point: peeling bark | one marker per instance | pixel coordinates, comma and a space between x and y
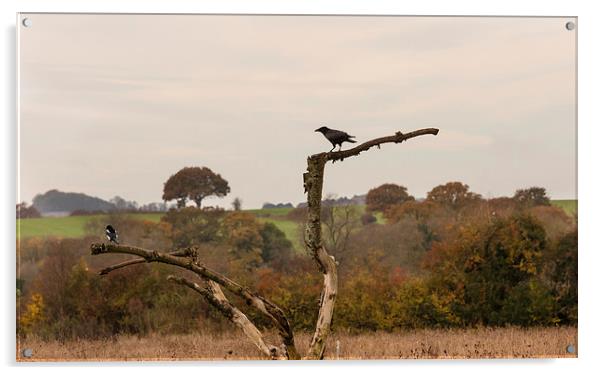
313, 181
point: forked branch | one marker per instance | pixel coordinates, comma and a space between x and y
186, 259
213, 294
313, 181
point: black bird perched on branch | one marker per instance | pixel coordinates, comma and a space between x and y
336, 137
111, 234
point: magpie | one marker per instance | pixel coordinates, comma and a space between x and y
111, 234
336, 137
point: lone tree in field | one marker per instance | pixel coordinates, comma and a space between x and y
196, 184
209, 283
385, 196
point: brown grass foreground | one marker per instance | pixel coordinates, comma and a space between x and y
429, 343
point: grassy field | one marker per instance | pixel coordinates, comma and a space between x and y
277, 216
428, 343
289, 228
73, 226
568, 205
68, 226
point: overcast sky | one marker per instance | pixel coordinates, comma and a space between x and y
114, 105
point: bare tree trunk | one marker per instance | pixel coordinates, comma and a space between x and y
198, 200
313, 181
213, 282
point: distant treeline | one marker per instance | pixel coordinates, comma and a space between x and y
65, 203
357, 200
453, 259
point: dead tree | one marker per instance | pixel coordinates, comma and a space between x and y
209, 283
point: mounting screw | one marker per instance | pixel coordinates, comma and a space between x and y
570, 25
26, 22
27, 353
570, 349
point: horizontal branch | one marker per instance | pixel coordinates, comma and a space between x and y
397, 138
180, 253
117, 266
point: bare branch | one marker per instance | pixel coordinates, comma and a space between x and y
117, 266
191, 252
251, 298
214, 295
397, 138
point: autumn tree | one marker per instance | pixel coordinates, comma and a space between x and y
242, 233
562, 269
386, 195
192, 227
453, 195
501, 206
530, 197
211, 284
419, 213
196, 184
275, 244
492, 271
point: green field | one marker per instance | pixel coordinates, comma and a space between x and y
288, 227
66, 227
277, 216
74, 226
568, 205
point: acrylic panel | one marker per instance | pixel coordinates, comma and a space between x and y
236, 187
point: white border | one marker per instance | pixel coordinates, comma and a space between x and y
590, 25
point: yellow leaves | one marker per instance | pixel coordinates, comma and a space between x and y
473, 262
243, 231
34, 314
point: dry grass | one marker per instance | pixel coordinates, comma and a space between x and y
429, 343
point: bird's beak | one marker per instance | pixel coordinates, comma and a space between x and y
317, 130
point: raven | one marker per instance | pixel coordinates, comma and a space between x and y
336, 137
111, 234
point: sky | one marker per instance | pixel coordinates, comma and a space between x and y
115, 104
